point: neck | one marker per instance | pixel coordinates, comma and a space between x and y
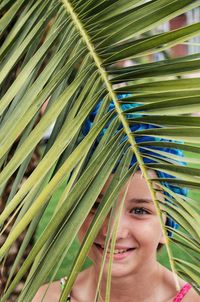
131, 288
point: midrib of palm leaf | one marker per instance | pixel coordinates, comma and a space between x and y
105, 78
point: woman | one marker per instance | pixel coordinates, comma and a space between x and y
136, 274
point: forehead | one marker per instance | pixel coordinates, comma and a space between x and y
136, 187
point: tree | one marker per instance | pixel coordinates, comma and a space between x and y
66, 52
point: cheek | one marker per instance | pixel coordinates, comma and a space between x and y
84, 228
149, 231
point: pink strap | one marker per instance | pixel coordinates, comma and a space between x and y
182, 293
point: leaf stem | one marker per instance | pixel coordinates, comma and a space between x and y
105, 78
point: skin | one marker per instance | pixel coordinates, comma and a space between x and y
139, 229
136, 274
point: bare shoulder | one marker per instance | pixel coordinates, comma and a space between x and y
52, 292
80, 288
191, 296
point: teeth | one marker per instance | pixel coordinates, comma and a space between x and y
115, 251
118, 251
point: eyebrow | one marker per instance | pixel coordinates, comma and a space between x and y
141, 200
135, 200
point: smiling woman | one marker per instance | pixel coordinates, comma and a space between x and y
138, 234
126, 245
136, 274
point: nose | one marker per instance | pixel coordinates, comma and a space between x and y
123, 230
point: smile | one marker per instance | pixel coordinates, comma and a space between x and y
118, 254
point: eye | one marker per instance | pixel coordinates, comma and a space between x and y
139, 211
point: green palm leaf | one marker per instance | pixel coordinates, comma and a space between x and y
66, 52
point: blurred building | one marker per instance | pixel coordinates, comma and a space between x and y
191, 46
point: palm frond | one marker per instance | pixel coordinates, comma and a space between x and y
66, 53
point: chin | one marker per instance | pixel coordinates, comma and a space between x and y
119, 271
119, 268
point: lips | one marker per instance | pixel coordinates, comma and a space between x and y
116, 250
119, 253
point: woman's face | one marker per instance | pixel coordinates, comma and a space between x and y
139, 231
